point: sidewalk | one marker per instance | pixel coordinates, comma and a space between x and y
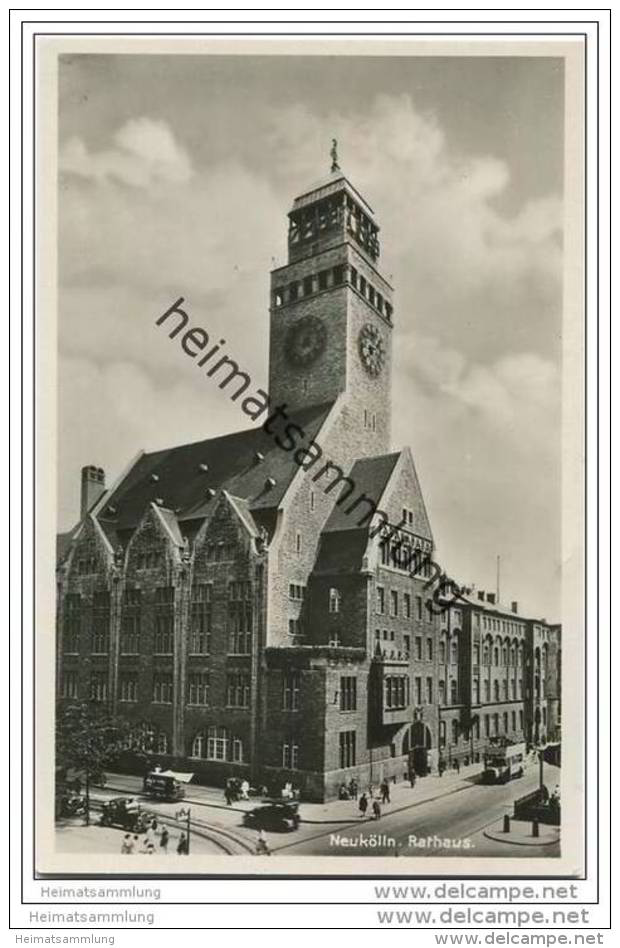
402, 795
521, 833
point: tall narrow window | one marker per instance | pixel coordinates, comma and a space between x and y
131, 621
347, 749
348, 693
101, 623
240, 618
334, 600
200, 619
164, 620
290, 696
71, 623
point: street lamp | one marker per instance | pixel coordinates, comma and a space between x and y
185, 814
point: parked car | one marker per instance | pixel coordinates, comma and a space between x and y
126, 813
275, 815
70, 804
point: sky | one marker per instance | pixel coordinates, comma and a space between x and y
176, 175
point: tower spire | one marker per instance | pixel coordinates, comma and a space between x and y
334, 155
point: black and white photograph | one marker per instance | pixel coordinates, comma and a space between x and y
315, 352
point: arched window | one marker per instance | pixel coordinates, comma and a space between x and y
442, 652
504, 656
198, 746
505, 722
476, 654
453, 692
496, 691
442, 733
495, 723
442, 692
496, 656
334, 600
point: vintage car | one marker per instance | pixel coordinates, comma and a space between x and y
273, 815
126, 813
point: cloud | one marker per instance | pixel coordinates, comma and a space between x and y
146, 153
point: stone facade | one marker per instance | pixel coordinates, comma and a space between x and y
249, 602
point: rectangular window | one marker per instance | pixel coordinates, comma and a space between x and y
200, 619
128, 687
407, 605
429, 650
418, 648
131, 622
418, 607
162, 688
70, 684
393, 602
417, 685
290, 756
240, 618
338, 275
198, 684
98, 686
396, 692
407, 645
164, 621
293, 291
290, 695
347, 749
380, 600
307, 286
296, 591
101, 623
323, 280
353, 277
348, 693
71, 623
298, 543
238, 690
295, 627
429, 690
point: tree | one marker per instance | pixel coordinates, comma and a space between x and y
88, 739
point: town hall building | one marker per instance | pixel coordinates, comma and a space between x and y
261, 603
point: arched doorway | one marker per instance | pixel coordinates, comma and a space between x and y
420, 743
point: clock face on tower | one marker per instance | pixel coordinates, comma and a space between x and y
372, 349
305, 341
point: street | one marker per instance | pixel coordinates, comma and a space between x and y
450, 824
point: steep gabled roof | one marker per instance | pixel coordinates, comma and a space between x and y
370, 476
184, 477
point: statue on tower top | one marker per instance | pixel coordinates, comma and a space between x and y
334, 155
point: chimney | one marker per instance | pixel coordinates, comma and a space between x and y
491, 598
514, 605
92, 487
481, 595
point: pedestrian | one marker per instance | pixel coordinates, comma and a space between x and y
412, 778
163, 841
457, 766
182, 847
227, 795
353, 788
154, 827
127, 844
262, 849
363, 805
385, 792
440, 768
145, 845
376, 809
245, 790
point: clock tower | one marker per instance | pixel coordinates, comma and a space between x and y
332, 312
